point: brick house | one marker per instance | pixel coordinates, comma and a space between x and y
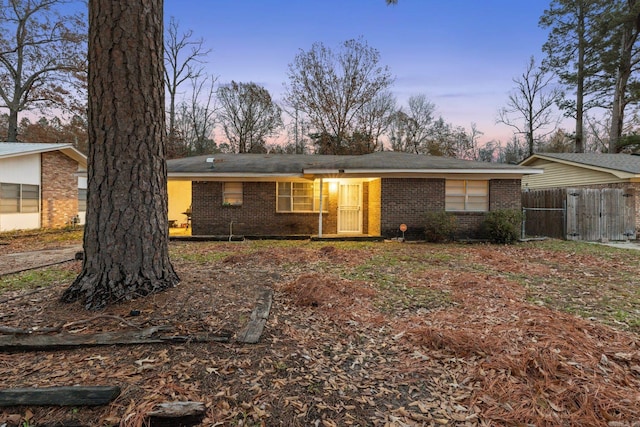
40, 186
365, 195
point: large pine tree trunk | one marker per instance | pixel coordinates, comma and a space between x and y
126, 252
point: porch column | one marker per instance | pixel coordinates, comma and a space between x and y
320, 216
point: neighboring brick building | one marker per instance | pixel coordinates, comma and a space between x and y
39, 185
367, 195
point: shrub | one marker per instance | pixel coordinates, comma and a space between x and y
440, 226
503, 226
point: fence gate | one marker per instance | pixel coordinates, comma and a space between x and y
580, 213
600, 214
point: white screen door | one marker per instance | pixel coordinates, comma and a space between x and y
350, 208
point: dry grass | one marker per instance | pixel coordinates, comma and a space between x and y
365, 334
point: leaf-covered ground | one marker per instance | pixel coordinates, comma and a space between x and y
361, 334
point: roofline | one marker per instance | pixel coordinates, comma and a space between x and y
616, 172
68, 149
422, 171
231, 175
351, 172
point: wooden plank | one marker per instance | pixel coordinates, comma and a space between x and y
629, 198
251, 333
59, 396
59, 341
573, 232
171, 414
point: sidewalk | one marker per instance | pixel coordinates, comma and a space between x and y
22, 261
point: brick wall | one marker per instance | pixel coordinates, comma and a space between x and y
256, 217
388, 202
59, 190
505, 194
405, 201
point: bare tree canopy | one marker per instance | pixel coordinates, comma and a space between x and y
248, 115
41, 52
374, 120
530, 105
195, 120
126, 250
183, 58
409, 131
333, 88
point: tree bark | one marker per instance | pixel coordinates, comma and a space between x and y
126, 235
624, 69
579, 141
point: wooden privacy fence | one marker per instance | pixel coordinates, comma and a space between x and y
589, 214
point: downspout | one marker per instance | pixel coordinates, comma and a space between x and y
320, 216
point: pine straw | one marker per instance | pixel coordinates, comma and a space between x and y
333, 354
537, 366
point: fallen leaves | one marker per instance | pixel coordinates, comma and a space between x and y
380, 335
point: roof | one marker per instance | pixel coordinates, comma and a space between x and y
384, 162
627, 163
14, 149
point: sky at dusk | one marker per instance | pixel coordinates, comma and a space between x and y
462, 54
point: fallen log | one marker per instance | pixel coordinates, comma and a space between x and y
150, 335
251, 333
59, 396
172, 414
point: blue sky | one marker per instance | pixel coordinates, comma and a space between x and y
462, 54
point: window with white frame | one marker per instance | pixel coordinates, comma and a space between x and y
82, 199
232, 194
19, 198
467, 195
301, 197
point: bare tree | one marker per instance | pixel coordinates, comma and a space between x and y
297, 132
183, 58
530, 105
195, 120
41, 52
126, 251
333, 88
410, 131
375, 118
248, 115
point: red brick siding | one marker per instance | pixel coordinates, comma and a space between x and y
505, 194
405, 201
401, 200
59, 190
256, 217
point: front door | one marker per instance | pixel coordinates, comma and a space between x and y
350, 208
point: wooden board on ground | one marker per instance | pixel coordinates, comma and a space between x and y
59, 396
251, 333
173, 414
145, 336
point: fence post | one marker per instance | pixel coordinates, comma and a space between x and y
524, 221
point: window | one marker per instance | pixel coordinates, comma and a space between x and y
462, 195
232, 193
82, 199
301, 197
16, 198
30, 198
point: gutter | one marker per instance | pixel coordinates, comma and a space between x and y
423, 171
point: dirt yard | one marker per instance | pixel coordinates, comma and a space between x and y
359, 334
